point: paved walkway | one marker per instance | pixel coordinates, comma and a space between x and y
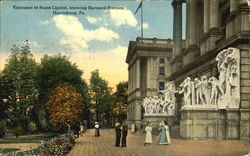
88, 145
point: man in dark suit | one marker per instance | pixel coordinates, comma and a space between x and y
118, 134
124, 135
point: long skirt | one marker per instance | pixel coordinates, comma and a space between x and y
163, 137
148, 138
97, 133
168, 137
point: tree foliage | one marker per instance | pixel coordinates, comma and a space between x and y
120, 99
64, 107
18, 84
101, 98
55, 70
3, 105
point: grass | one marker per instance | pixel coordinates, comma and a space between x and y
27, 138
7, 150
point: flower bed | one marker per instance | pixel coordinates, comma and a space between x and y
57, 146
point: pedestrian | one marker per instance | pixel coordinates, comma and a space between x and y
118, 134
124, 135
167, 132
97, 132
162, 135
132, 128
81, 129
148, 129
76, 129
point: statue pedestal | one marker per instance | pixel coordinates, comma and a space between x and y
209, 124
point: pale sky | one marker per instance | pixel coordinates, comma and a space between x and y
96, 40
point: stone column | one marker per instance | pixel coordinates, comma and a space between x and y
129, 80
206, 16
193, 22
148, 72
154, 62
214, 14
177, 35
167, 66
187, 22
137, 114
234, 5
137, 73
133, 77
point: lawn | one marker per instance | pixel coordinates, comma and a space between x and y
27, 138
7, 150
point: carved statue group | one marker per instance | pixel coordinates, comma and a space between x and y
200, 91
220, 93
158, 105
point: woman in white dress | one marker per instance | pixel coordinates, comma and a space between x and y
148, 139
97, 132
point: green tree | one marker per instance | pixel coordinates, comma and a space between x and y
3, 104
64, 107
18, 84
101, 97
55, 70
120, 98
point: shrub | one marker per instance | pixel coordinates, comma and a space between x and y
32, 126
2, 128
57, 146
44, 124
18, 130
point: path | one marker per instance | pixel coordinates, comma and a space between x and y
88, 145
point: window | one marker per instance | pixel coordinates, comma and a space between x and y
161, 85
161, 71
162, 60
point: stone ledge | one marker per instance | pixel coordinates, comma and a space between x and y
176, 59
199, 109
156, 115
135, 90
245, 110
135, 99
245, 138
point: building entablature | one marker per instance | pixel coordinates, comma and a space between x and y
152, 47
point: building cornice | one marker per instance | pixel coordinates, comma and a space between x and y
239, 38
242, 9
148, 45
212, 32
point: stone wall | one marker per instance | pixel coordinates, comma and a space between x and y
245, 92
210, 124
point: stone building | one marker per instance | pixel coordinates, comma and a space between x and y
153, 62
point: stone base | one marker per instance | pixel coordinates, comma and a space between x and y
210, 124
245, 124
155, 121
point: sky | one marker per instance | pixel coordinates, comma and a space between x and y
92, 38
